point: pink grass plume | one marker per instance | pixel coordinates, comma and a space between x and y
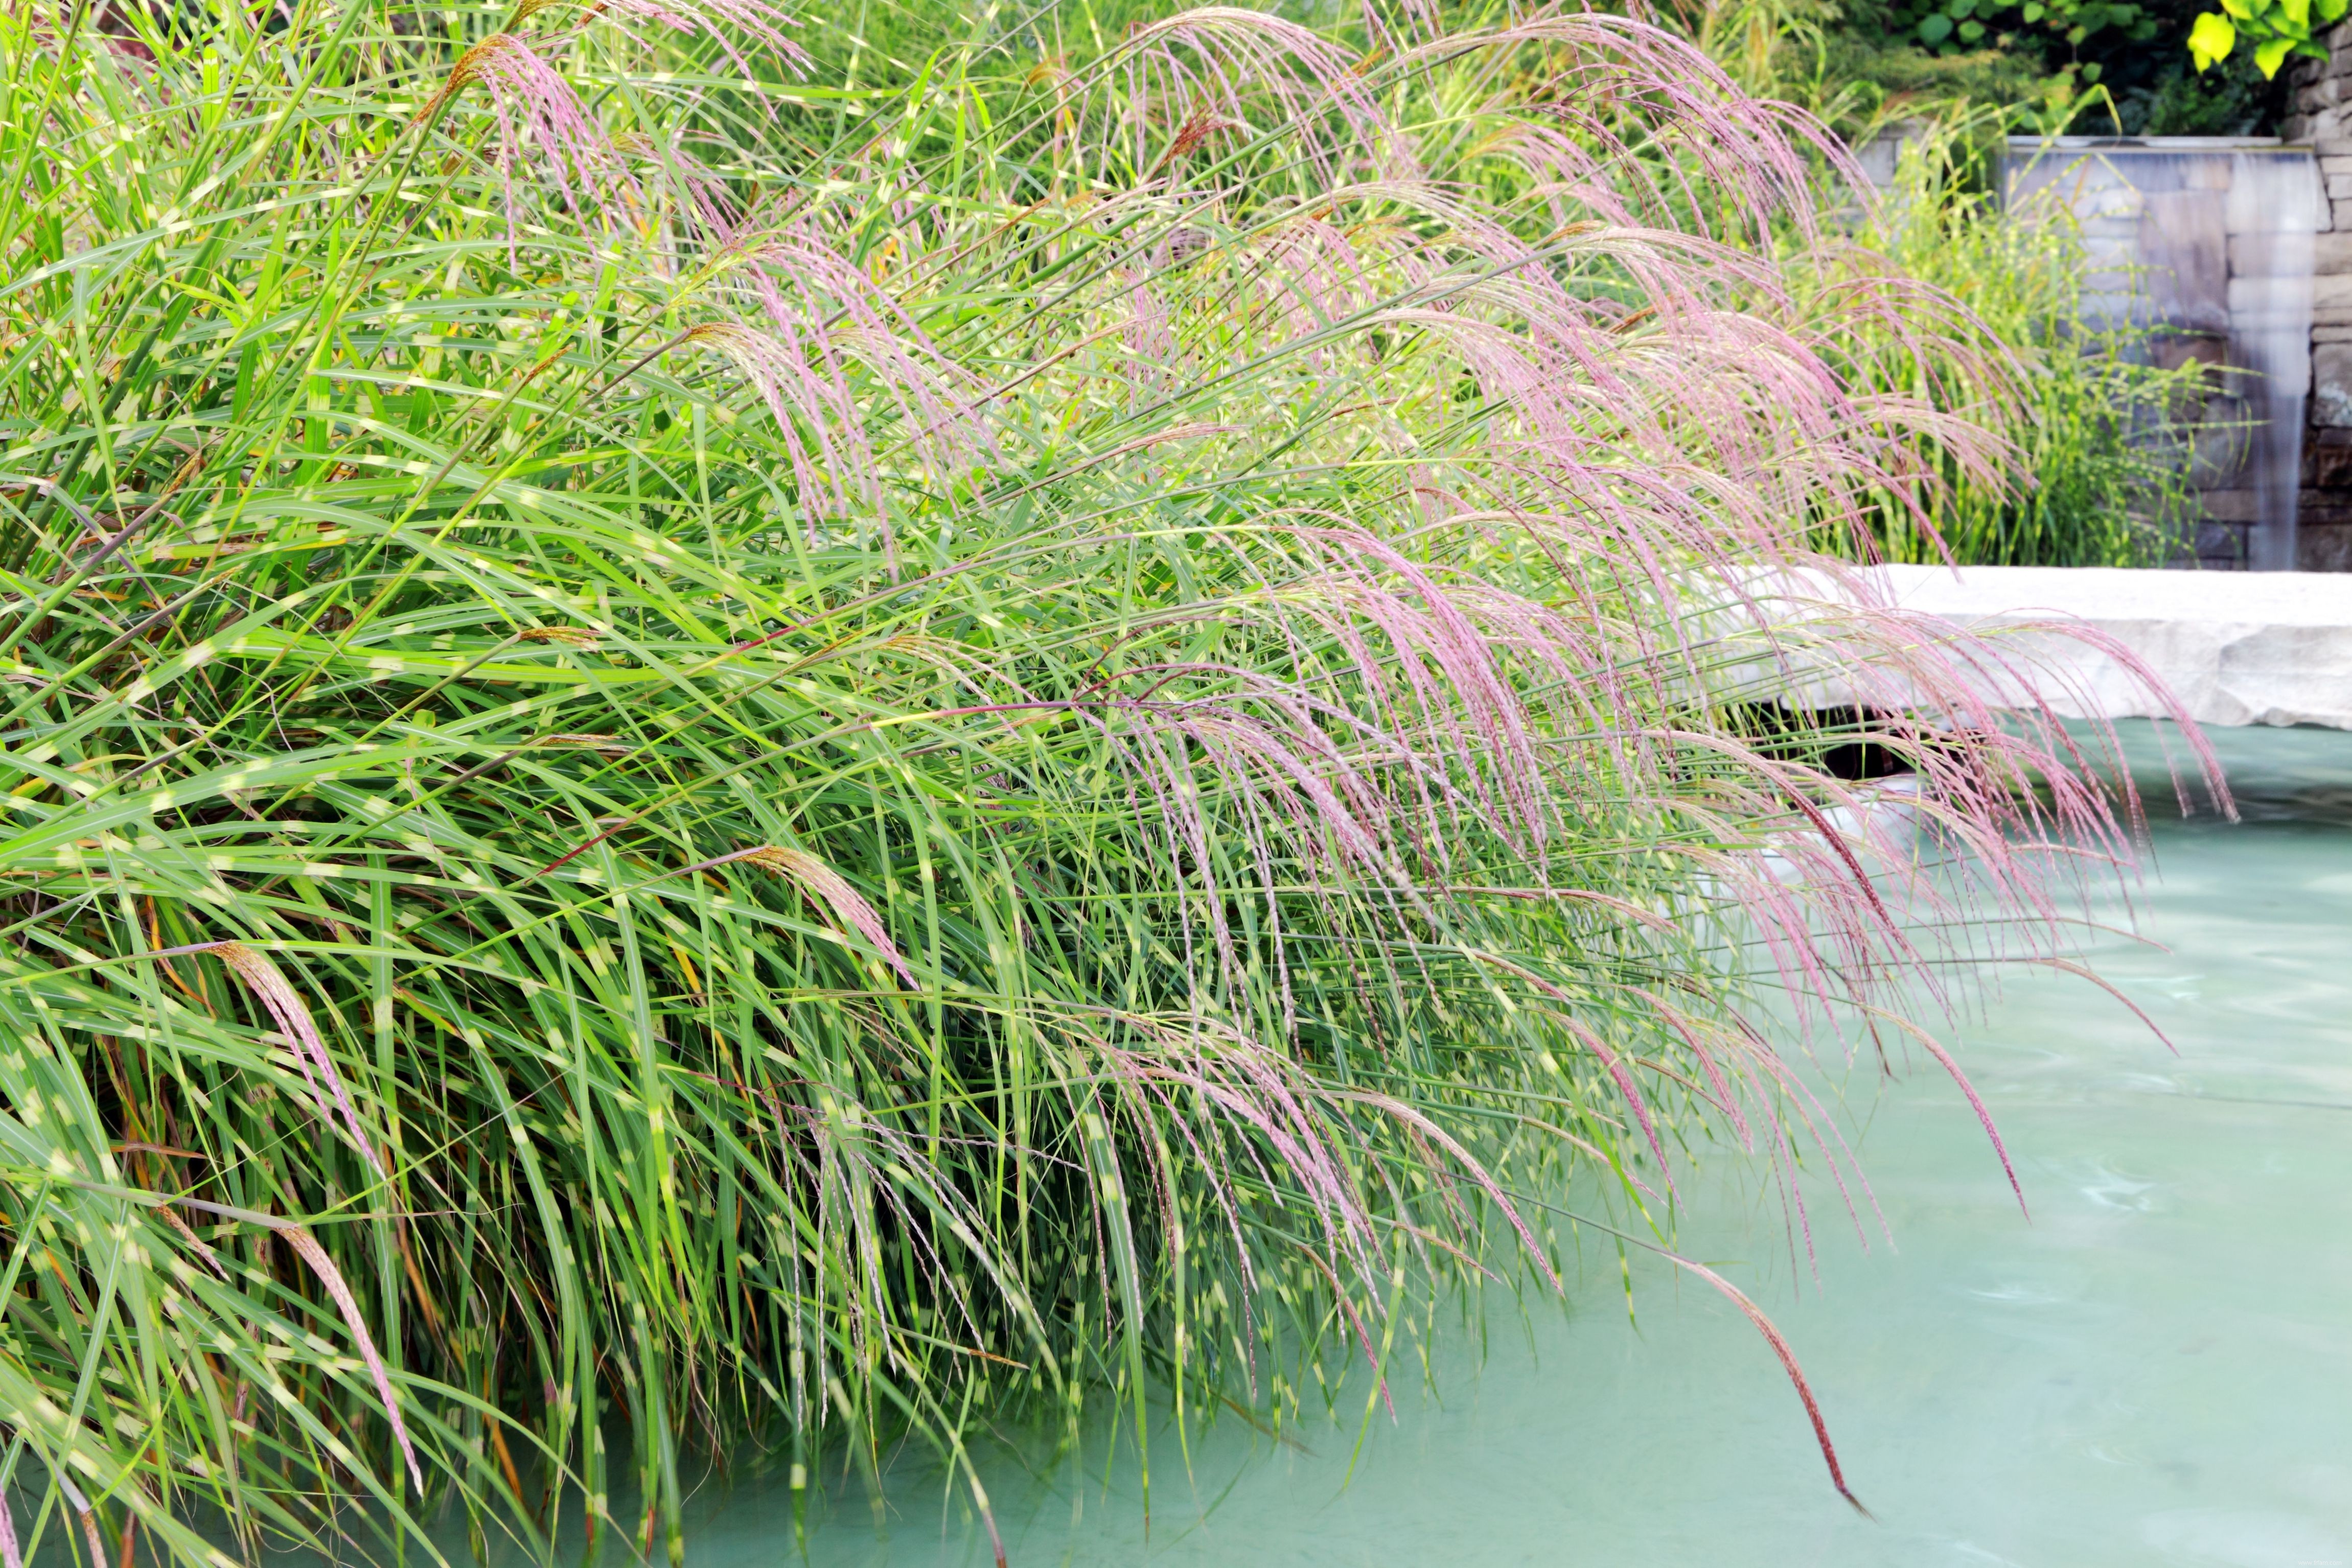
285, 1007
827, 888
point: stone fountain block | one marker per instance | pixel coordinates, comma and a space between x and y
2218, 451
2233, 506
2331, 386
2217, 236
2190, 285
2172, 350
2324, 547
2331, 299
2271, 647
2253, 208
2256, 256
2327, 466
2321, 509
2253, 256
2254, 299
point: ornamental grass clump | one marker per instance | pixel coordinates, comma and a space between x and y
778, 764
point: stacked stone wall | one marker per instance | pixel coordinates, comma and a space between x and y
2196, 236
2323, 118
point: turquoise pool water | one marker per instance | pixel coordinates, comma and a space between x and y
2156, 1370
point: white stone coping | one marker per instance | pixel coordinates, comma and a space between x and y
2236, 647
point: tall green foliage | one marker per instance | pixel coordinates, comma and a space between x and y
2099, 426
2086, 67
696, 749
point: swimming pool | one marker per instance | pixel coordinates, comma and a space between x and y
2156, 1369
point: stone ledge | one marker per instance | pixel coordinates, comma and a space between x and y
2272, 647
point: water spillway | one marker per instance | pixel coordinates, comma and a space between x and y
2206, 242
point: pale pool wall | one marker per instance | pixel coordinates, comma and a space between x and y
2232, 650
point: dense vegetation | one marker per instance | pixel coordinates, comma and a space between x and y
2097, 67
762, 748
2104, 429
2102, 426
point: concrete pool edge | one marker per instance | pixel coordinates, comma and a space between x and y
2270, 648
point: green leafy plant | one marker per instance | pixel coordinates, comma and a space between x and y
2061, 101
2273, 30
713, 743
1951, 27
2106, 69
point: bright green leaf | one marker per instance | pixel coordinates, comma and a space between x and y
1935, 28
2271, 54
2210, 40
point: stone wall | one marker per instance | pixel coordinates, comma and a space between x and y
2322, 117
2210, 239
2207, 237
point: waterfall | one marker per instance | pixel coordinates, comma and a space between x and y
2211, 238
